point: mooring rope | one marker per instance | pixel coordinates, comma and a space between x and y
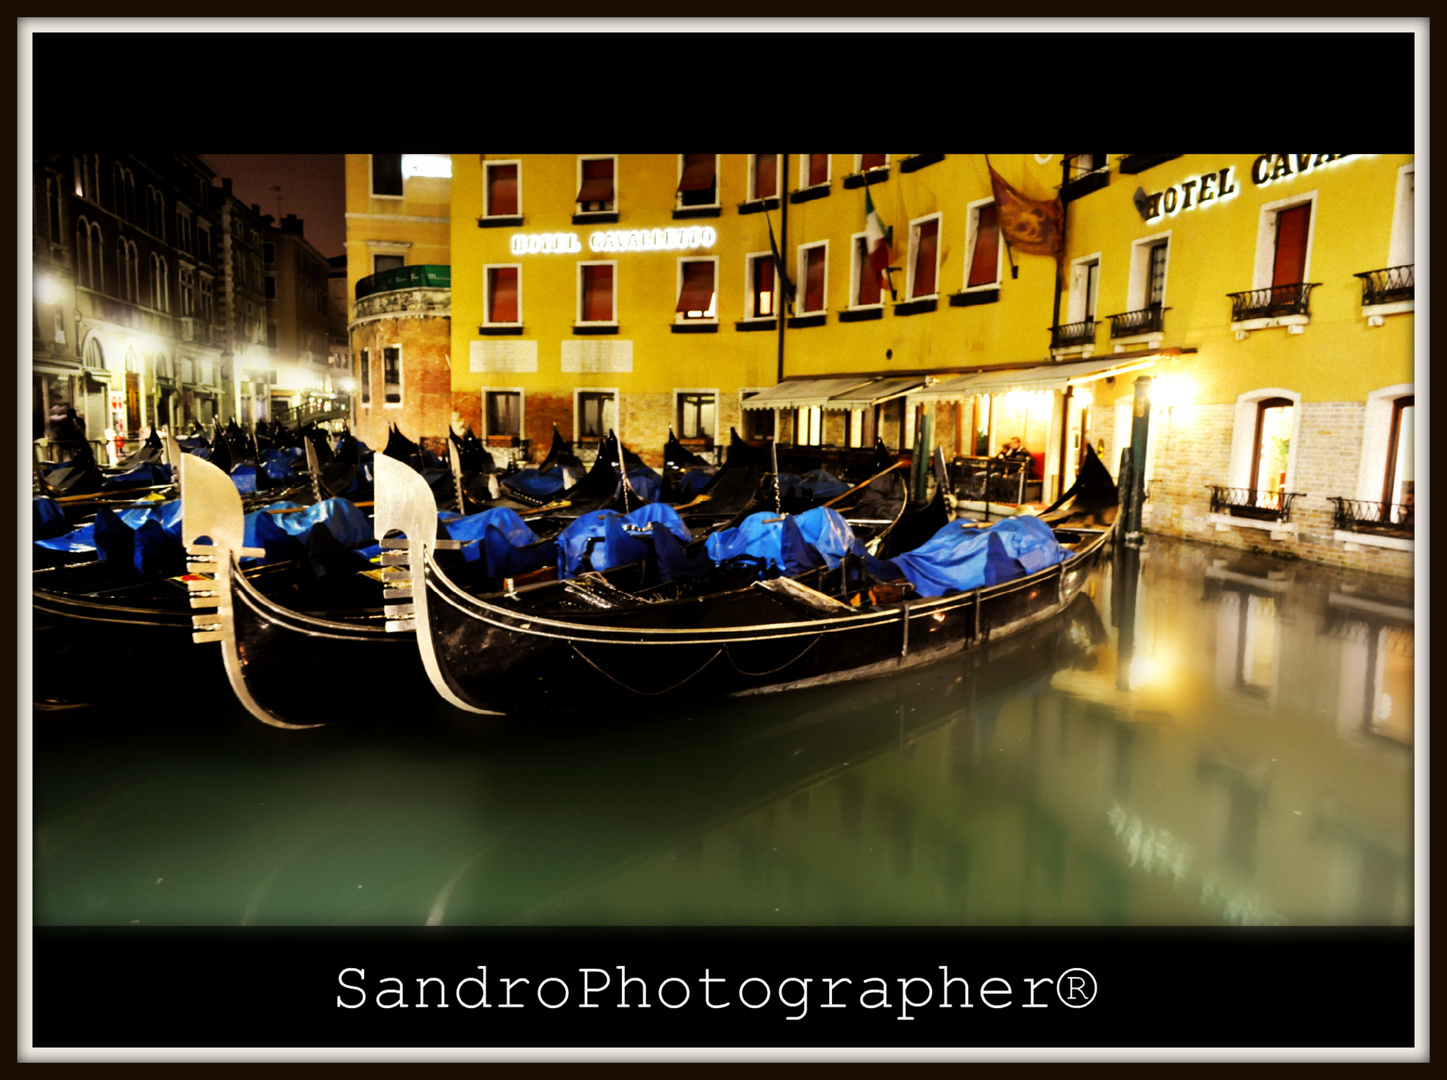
645, 693
799, 656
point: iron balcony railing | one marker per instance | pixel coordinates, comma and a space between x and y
406, 277
1081, 178
1389, 286
1273, 302
1145, 321
1250, 503
1078, 333
1382, 519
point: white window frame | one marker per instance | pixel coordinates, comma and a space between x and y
1140, 270
804, 184
522, 394
801, 267
754, 195
578, 393
859, 163
578, 294
706, 320
372, 179
401, 376
487, 319
1243, 445
681, 391
1266, 240
1401, 250
678, 203
972, 234
749, 260
1081, 306
487, 188
1372, 470
856, 274
914, 231
613, 209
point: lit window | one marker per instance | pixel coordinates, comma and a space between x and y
1400, 489
762, 298
696, 294
501, 189
596, 292
696, 415
1272, 445
503, 295
809, 426
392, 375
504, 413
597, 412
366, 376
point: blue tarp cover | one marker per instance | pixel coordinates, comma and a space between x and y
959, 558
766, 535
620, 544
77, 540
50, 520
478, 531
827, 533
150, 474
538, 485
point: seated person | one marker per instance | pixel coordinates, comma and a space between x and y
1013, 450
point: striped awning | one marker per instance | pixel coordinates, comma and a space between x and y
804, 393
1048, 377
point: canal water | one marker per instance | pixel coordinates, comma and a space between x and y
1208, 738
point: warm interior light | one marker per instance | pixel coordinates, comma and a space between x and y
47, 289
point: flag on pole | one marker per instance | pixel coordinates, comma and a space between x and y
875, 238
1030, 226
784, 283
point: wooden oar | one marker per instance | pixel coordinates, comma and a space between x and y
545, 509
97, 496
695, 501
858, 487
299, 509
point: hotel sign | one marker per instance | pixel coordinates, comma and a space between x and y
616, 240
1221, 185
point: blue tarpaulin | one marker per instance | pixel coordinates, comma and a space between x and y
620, 538
959, 558
827, 533
146, 536
495, 535
538, 485
773, 537
50, 520
150, 474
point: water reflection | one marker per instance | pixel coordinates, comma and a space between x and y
1206, 740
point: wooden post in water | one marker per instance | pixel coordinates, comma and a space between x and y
1140, 429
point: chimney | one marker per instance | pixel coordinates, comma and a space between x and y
291, 224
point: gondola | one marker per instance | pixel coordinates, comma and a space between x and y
537, 649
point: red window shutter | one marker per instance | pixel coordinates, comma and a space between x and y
597, 294
1291, 227
987, 248
868, 279
763, 286
924, 259
502, 185
503, 302
818, 168
766, 180
871, 161
697, 172
696, 294
814, 280
597, 181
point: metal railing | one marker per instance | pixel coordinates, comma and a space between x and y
990, 480
1148, 320
1389, 286
1250, 503
1389, 519
1273, 302
1078, 333
406, 277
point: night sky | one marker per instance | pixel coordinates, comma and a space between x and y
312, 188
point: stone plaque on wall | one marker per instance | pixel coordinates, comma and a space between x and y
607, 355
503, 356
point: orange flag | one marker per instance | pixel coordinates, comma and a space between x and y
1029, 226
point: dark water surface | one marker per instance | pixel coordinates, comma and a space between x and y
1239, 753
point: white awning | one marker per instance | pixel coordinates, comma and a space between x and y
1048, 377
872, 393
804, 393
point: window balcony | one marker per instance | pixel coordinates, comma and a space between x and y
406, 277
1379, 519
1252, 504
1390, 286
1084, 173
1072, 335
1273, 303
1149, 320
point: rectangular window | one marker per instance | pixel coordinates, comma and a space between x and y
1401, 484
270, 286
501, 190
761, 298
815, 168
504, 412
813, 277
867, 281
873, 161
1272, 449
392, 375
698, 180
696, 289
756, 423
595, 192
366, 376
809, 426
386, 262
268, 252
696, 415
1084, 285
596, 413
924, 246
1149, 264
1156, 275
1289, 267
1402, 250
387, 175
985, 253
596, 293
203, 244
271, 336
503, 299
764, 176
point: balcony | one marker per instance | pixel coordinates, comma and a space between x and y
1252, 504
1394, 285
1084, 173
406, 277
1150, 320
1281, 301
1396, 520
1130, 164
1073, 335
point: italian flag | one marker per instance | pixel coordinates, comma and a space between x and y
874, 239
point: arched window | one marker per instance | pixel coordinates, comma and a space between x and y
83, 274
1271, 446
129, 263
52, 208
95, 356
160, 285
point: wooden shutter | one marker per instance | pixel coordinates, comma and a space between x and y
924, 259
1291, 230
814, 280
766, 179
502, 190
503, 300
696, 293
597, 181
984, 266
818, 169
598, 293
697, 172
868, 278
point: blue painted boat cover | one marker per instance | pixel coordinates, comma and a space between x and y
959, 557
